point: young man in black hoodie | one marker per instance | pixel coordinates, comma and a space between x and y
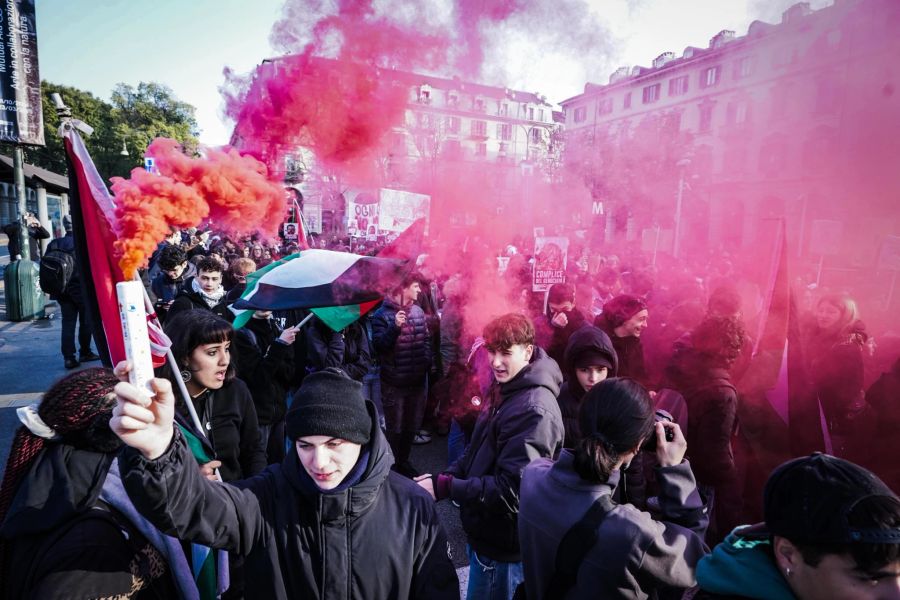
331, 521
519, 422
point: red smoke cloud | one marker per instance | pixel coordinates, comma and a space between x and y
224, 188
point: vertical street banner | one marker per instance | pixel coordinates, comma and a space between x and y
550, 255
21, 117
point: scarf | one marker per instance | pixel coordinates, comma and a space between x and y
210, 299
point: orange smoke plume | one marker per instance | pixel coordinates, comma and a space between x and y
230, 191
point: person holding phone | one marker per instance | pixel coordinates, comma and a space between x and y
633, 553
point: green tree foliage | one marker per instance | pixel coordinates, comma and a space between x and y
131, 120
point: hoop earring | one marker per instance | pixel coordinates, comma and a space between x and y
185, 375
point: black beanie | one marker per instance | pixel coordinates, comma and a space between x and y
329, 403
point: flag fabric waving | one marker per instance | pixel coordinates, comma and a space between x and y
318, 279
93, 217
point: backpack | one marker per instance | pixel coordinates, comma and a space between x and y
56, 271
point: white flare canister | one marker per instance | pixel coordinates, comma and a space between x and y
134, 329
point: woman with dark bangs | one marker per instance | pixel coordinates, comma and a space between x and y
201, 343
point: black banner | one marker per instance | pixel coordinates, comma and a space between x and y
21, 117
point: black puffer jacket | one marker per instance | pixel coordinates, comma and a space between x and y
266, 365
379, 539
347, 350
519, 423
586, 339
405, 353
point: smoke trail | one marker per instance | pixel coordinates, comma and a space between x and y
223, 187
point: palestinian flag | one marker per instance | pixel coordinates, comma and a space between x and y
338, 287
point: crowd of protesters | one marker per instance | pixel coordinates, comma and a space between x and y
602, 441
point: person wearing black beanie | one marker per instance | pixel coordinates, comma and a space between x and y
332, 519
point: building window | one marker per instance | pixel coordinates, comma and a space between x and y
706, 116
541, 115
710, 77
504, 131
531, 113
503, 109
479, 128
537, 136
626, 102
738, 112
453, 99
651, 93
425, 94
478, 104
481, 149
784, 56
605, 106
580, 114
678, 86
743, 67
426, 121
452, 124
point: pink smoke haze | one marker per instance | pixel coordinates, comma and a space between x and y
800, 124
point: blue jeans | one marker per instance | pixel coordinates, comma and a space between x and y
491, 579
456, 442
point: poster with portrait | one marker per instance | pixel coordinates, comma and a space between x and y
362, 216
549, 267
291, 231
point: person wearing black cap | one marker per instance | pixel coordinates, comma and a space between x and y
331, 521
831, 530
623, 319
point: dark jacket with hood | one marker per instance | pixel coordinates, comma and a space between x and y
636, 553
404, 352
743, 566
379, 538
347, 350
586, 339
519, 422
165, 288
62, 541
72, 292
266, 365
188, 299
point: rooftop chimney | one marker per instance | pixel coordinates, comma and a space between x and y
721, 38
619, 74
662, 59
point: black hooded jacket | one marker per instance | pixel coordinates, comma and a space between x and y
266, 365
61, 541
586, 339
380, 538
519, 423
628, 349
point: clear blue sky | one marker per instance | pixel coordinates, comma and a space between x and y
95, 44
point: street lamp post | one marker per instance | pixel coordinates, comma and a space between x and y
682, 165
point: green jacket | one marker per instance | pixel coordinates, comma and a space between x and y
742, 566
